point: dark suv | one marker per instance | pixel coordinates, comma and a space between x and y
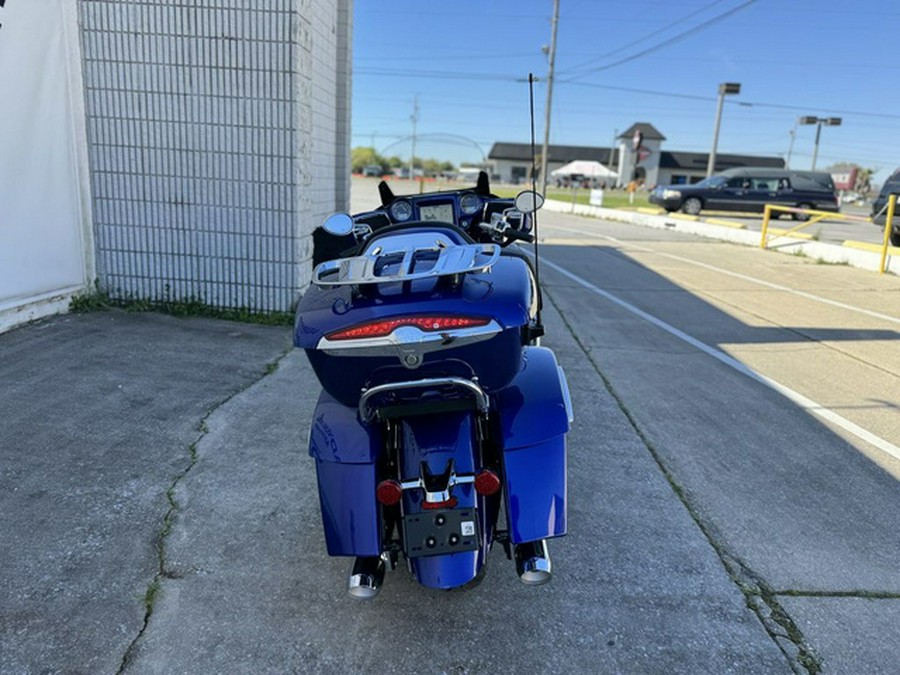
879, 206
750, 190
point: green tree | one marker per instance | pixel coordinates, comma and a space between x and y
361, 157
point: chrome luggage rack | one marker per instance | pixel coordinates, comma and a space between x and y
407, 263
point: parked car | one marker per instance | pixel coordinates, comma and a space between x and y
879, 206
373, 170
749, 190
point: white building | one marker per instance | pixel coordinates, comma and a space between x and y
647, 162
168, 151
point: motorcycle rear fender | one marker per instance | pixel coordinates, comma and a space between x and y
534, 415
433, 440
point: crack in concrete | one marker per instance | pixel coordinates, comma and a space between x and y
857, 594
155, 586
759, 597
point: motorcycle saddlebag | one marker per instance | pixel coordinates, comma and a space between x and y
534, 415
345, 454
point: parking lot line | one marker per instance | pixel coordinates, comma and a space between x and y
794, 396
738, 275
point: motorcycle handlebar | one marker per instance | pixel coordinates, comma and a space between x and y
521, 236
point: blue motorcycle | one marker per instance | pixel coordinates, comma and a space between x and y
439, 410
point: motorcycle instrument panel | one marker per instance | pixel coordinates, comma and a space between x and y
439, 212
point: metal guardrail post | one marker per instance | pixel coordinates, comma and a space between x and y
888, 224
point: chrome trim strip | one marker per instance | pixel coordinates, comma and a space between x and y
436, 497
409, 343
481, 397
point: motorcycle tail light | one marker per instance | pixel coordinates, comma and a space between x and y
487, 482
388, 492
382, 327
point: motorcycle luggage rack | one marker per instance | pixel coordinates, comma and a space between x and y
407, 264
478, 401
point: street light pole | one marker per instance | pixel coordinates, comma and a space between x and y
819, 121
724, 88
816, 145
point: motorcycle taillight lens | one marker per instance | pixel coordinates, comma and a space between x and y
382, 327
487, 482
388, 492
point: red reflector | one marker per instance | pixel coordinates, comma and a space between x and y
487, 482
449, 504
387, 326
388, 492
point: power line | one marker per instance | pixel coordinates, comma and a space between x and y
665, 43
667, 27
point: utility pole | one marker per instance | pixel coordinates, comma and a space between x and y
612, 159
412, 157
787, 164
552, 60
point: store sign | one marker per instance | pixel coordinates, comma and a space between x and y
636, 140
845, 180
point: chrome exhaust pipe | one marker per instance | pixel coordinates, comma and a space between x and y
366, 577
533, 563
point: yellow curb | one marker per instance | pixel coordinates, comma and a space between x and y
651, 211
726, 223
778, 232
866, 246
684, 216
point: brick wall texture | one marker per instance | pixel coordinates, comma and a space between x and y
218, 138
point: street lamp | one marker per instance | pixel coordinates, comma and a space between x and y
819, 121
724, 88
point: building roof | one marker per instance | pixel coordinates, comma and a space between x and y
686, 161
555, 153
649, 132
697, 161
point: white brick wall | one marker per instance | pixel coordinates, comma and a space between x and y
217, 142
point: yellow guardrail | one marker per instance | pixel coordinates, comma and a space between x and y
816, 216
888, 223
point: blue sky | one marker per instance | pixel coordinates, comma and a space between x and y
462, 60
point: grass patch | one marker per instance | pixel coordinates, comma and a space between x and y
612, 199
98, 301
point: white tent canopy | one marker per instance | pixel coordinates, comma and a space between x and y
581, 167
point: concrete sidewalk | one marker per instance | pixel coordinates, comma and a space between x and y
161, 516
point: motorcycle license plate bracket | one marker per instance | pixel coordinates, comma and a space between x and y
440, 532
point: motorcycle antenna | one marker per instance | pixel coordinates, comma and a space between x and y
534, 215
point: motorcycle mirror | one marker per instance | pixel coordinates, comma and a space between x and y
529, 201
338, 224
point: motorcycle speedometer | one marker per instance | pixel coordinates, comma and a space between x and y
401, 210
469, 203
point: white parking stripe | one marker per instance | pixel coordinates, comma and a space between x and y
737, 275
787, 392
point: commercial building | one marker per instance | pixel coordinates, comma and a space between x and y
638, 154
